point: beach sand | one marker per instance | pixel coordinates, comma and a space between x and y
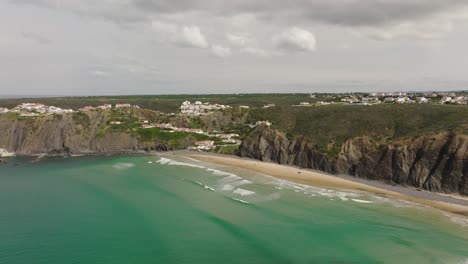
319, 179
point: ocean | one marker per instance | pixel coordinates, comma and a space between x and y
161, 209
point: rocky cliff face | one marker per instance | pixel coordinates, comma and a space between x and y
433, 162
68, 134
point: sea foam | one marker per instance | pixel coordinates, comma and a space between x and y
239, 200
361, 201
220, 173
243, 192
166, 161
461, 221
205, 186
123, 166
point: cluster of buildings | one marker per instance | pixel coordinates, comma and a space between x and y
463, 100
422, 98
34, 109
170, 128
107, 106
368, 100
198, 108
204, 145
226, 138
389, 94
393, 97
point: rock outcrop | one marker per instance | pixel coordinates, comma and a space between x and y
69, 134
436, 162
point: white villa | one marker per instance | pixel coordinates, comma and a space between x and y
199, 108
123, 105
404, 100
205, 144
33, 109
422, 100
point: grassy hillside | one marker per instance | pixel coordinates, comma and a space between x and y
325, 125
336, 123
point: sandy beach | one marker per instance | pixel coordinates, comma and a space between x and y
314, 178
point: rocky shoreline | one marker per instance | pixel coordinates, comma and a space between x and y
436, 163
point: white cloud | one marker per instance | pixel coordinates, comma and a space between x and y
186, 36
295, 39
192, 36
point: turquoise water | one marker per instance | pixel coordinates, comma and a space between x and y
123, 209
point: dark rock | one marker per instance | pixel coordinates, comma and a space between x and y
432, 162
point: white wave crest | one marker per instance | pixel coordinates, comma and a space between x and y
123, 166
361, 201
227, 187
205, 186
461, 221
220, 173
243, 192
239, 200
166, 161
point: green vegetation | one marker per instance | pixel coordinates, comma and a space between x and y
12, 116
326, 126
128, 120
174, 139
81, 119
329, 126
227, 150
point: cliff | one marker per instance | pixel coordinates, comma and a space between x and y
68, 134
436, 162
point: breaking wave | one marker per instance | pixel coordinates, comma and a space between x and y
361, 201
166, 161
241, 201
243, 192
219, 173
205, 186
461, 221
123, 166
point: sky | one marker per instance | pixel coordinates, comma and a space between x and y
121, 47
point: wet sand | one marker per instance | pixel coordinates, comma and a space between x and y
443, 202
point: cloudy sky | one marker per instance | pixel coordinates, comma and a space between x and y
89, 47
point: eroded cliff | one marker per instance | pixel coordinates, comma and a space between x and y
68, 134
437, 162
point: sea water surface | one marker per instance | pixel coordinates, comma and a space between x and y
152, 209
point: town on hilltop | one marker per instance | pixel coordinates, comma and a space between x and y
209, 139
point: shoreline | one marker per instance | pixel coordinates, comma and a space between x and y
444, 202
451, 203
